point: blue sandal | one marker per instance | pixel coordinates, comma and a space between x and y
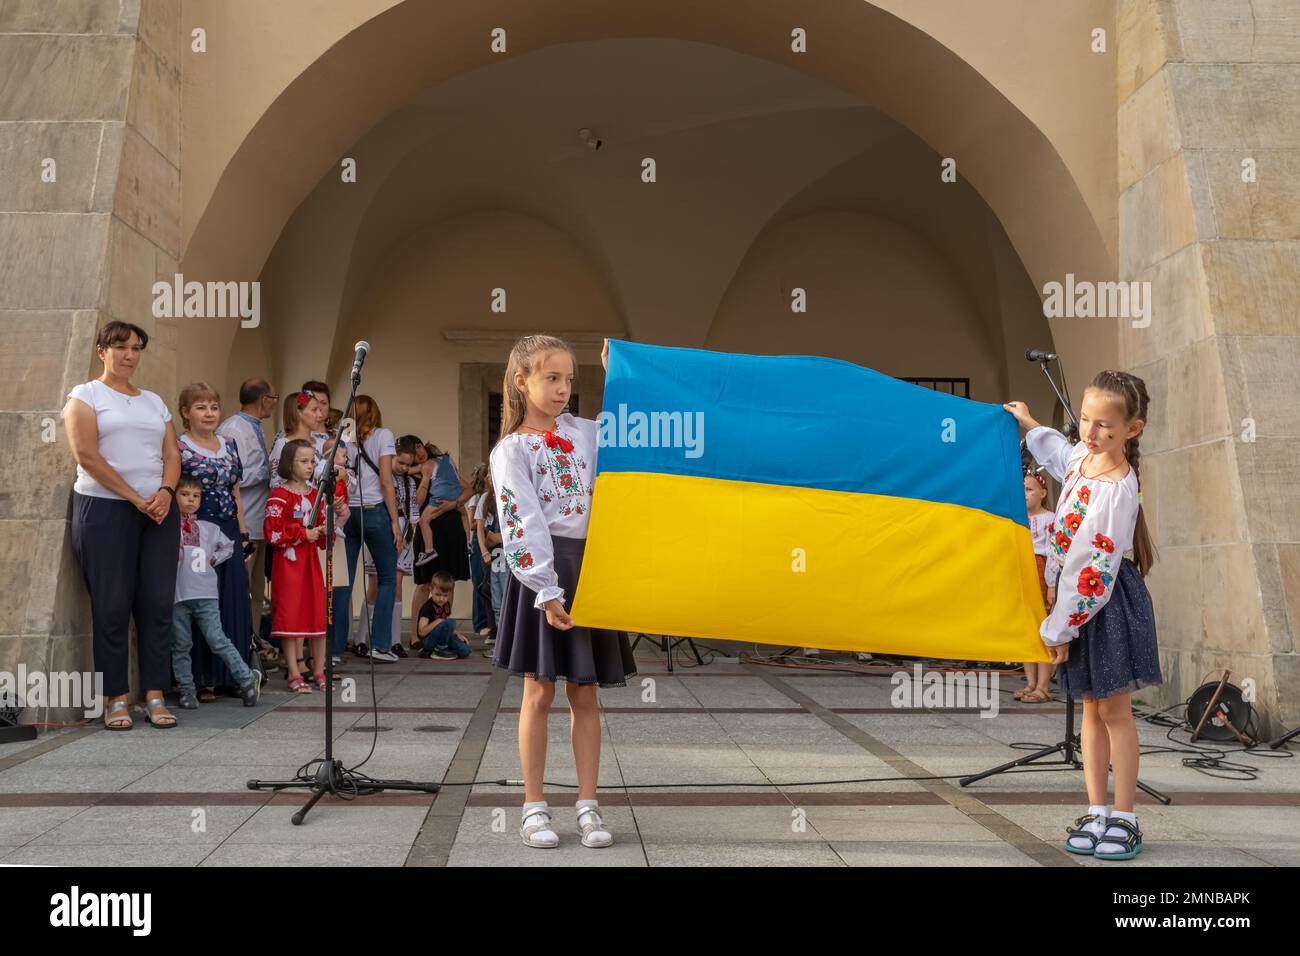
1131, 841
1080, 830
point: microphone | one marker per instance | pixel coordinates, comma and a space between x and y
363, 348
1033, 355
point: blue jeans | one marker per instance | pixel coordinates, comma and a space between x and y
498, 592
378, 532
206, 612
443, 637
479, 617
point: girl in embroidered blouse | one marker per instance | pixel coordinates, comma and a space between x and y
1102, 627
1038, 677
543, 467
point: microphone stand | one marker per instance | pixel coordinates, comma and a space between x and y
1069, 746
330, 776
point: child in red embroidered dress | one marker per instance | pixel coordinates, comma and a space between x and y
298, 586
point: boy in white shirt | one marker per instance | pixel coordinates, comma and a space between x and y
203, 547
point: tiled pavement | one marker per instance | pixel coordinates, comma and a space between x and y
721, 764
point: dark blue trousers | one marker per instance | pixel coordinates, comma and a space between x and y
129, 565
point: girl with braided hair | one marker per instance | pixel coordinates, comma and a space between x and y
1102, 628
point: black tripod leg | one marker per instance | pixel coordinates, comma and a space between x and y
1036, 755
316, 794
1152, 791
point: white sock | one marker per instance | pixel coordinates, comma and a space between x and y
1107, 846
600, 836
1080, 843
546, 836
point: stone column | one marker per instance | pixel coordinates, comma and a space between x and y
94, 87
1209, 178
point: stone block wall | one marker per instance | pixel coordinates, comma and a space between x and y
1209, 178
93, 85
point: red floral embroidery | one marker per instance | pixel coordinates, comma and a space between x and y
525, 560
1063, 542
1104, 543
1072, 522
1090, 582
1077, 619
1085, 493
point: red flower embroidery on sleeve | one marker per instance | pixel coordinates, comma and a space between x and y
1077, 619
1085, 494
1104, 543
1063, 542
1072, 522
1090, 583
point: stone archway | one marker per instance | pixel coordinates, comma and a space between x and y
860, 48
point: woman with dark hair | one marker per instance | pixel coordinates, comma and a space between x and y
125, 524
214, 461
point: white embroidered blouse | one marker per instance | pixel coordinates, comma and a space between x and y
1100, 513
543, 490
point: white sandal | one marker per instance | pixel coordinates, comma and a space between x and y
593, 829
536, 829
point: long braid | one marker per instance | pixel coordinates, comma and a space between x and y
1133, 392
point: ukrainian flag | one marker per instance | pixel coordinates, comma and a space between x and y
807, 501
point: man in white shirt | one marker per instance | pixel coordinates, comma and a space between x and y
257, 402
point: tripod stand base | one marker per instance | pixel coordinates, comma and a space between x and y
666, 645
1067, 749
331, 777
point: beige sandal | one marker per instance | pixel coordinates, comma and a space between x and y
118, 716
151, 707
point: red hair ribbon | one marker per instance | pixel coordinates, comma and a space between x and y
1042, 482
553, 439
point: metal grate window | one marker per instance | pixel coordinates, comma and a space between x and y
953, 386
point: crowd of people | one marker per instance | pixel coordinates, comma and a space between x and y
206, 537
157, 519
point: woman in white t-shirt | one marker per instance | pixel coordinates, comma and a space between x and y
125, 524
374, 517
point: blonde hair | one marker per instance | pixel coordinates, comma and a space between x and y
524, 357
193, 393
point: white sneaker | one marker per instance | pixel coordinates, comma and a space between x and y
592, 828
388, 657
484, 631
536, 829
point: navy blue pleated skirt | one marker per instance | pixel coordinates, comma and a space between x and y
528, 646
1116, 651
